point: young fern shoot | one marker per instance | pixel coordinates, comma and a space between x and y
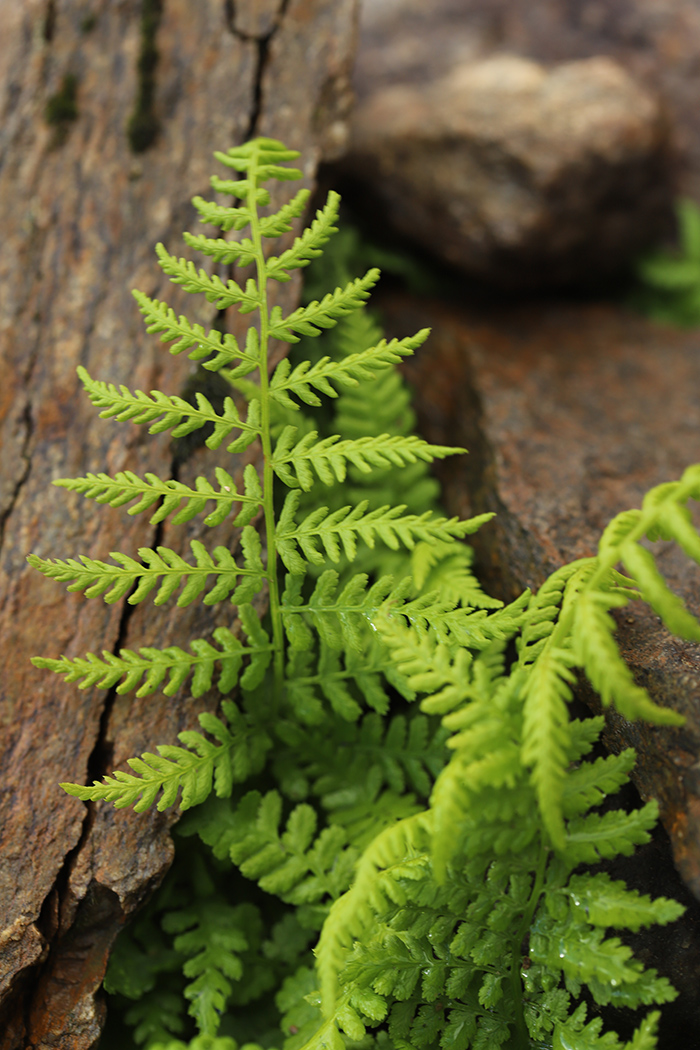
287, 462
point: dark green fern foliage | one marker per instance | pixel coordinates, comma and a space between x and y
394, 820
671, 282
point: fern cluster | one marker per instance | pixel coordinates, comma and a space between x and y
396, 815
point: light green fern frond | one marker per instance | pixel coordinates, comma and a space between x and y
315, 317
395, 849
127, 486
194, 769
163, 569
167, 669
340, 531
213, 350
607, 671
546, 744
166, 412
295, 464
308, 246
349, 371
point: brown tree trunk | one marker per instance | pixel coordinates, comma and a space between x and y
84, 85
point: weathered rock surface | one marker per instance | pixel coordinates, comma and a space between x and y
518, 174
408, 47
80, 214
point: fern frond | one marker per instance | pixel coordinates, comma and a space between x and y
546, 744
400, 753
313, 318
172, 666
177, 414
640, 563
127, 486
576, 1033
608, 673
163, 568
185, 273
351, 914
210, 935
156, 1019
221, 215
261, 158
194, 769
588, 784
330, 457
342, 529
583, 955
296, 864
349, 371
608, 902
597, 837
221, 349
222, 250
308, 245
446, 567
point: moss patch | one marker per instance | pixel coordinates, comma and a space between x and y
144, 125
62, 108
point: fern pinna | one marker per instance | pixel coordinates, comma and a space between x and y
432, 856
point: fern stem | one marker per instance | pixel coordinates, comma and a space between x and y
268, 502
516, 984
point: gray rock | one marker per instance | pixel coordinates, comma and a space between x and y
519, 174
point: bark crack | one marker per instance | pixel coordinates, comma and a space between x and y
262, 42
27, 423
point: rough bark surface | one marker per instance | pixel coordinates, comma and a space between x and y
80, 213
570, 414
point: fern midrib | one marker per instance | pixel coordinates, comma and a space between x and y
265, 437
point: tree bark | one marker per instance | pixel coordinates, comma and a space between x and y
82, 85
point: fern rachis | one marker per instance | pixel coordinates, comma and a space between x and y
419, 850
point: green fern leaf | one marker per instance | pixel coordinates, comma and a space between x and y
607, 902
641, 565
315, 317
545, 747
185, 273
262, 156
308, 246
156, 666
605, 668
596, 837
341, 530
220, 215
209, 934
589, 783
222, 350
352, 369
177, 415
222, 250
163, 568
330, 457
127, 486
194, 769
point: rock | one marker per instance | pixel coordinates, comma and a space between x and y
80, 215
520, 175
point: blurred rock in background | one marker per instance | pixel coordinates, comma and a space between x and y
529, 144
